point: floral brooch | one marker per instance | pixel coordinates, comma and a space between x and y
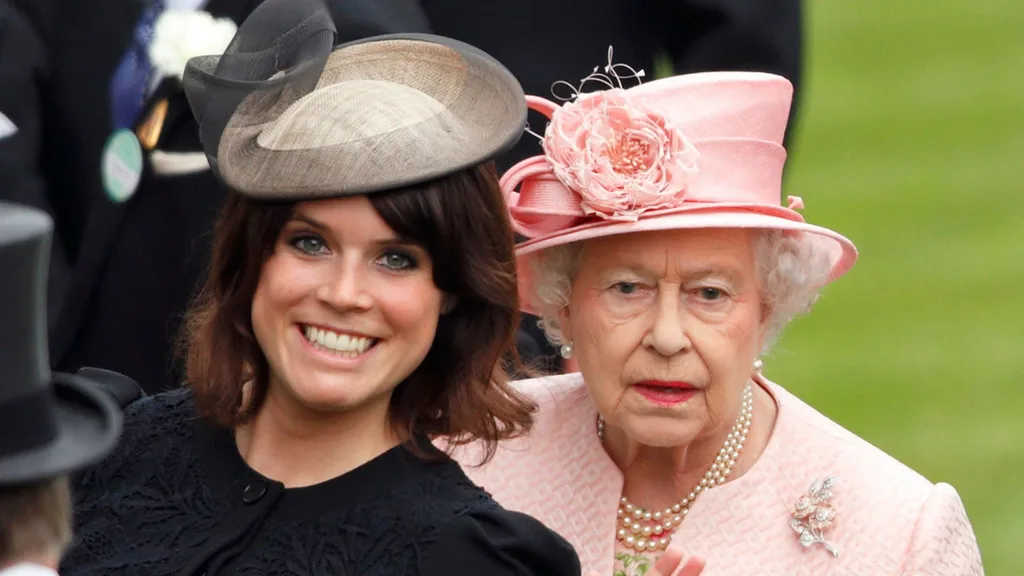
813, 514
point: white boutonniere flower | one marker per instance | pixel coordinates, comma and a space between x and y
180, 35
7, 127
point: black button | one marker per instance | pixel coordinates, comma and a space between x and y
253, 492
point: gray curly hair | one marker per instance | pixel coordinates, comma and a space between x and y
791, 268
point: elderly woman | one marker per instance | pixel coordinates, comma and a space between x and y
662, 260
361, 297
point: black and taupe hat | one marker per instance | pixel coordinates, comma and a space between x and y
284, 113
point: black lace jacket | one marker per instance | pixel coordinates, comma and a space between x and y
177, 498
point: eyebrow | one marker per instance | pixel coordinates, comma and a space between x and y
310, 221
326, 231
729, 273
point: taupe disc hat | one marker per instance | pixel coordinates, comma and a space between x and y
284, 113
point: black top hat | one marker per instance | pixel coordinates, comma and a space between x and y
49, 425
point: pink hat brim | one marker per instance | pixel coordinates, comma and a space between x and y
841, 251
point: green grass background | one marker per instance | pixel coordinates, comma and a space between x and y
911, 142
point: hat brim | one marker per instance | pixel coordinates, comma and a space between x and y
89, 425
348, 136
841, 251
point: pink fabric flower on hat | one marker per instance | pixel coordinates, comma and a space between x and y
620, 156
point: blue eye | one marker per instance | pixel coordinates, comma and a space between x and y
309, 244
397, 261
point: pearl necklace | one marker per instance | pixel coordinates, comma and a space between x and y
645, 530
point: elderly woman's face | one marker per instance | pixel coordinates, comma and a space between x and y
666, 327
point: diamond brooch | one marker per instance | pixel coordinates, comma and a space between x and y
813, 514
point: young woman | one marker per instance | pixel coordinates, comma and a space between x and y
359, 305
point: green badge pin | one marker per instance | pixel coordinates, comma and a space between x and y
122, 165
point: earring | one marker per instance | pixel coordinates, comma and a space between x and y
566, 350
758, 364
448, 305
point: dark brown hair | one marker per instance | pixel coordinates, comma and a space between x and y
460, 390
35, 520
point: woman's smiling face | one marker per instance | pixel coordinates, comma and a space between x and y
345, 309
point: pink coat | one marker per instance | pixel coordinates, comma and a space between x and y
890, 520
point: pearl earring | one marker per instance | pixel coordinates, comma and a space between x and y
758, 364
566, 350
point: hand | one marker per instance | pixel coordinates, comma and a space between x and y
671, 564
672, 560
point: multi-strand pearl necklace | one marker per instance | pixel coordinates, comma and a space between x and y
645, 530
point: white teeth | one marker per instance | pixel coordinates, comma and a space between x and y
341, 344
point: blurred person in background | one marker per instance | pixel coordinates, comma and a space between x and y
50, 425
100, 136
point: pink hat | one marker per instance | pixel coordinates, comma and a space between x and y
691, 151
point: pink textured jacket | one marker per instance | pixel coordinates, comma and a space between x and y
889, 519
